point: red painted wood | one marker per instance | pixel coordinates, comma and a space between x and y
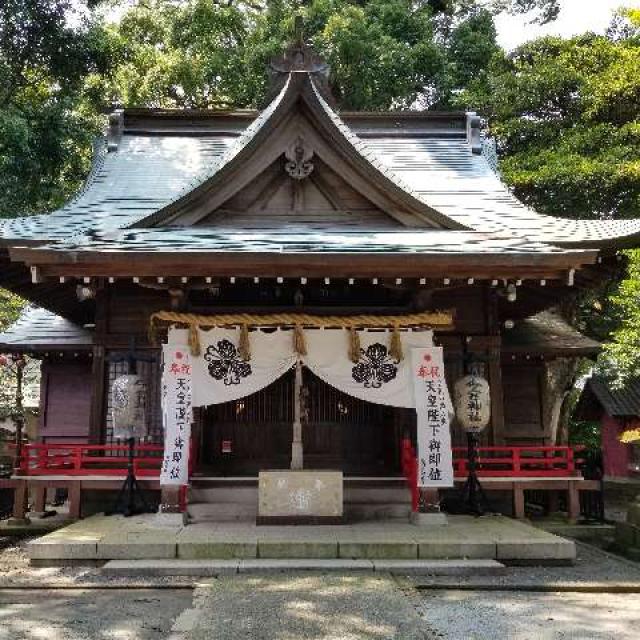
102, 460
615, 453
85, 459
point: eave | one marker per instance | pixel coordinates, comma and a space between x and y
330, 264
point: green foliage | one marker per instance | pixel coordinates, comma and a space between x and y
585, 433
621, 358
10, 307
45, 134
566, 117
61, 67
382, 53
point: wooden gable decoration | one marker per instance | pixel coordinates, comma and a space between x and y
299, 165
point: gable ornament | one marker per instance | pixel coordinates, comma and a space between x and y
298, 155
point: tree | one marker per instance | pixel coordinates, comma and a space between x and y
565, 115
382, 53
45, 135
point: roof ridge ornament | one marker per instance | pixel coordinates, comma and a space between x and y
115, 129
299, 57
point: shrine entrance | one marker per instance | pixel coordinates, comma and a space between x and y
339, 431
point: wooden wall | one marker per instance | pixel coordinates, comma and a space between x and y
73, 392
65, 401
523, 386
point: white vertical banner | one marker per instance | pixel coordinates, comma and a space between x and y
177, 414
434, 409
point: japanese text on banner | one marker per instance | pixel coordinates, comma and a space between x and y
176, 414
434, 410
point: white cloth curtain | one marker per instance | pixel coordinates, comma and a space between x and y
376, 377
220, 375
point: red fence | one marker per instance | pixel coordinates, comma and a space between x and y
499, 462
93, 459
517, 462
88, 459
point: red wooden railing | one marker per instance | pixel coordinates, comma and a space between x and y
88, 459
517, 462
498, 462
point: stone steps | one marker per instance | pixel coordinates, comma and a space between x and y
256, 565
222, 512
236, 499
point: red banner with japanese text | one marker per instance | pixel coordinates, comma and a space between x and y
434, 410
176, 414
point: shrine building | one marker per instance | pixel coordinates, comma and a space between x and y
296, 257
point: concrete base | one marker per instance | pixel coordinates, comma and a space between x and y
165, 519
223, 567
435, 519
464, 537
18, 522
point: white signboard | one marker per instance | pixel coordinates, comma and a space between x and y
434, 409
176, 414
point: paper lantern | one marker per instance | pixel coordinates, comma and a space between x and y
128, 395
472, 402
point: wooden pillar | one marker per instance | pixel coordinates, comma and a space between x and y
497, 397
39, 498
20, 503
494, 368
98, 372
573, 501
297, 461
75, 500
518, 501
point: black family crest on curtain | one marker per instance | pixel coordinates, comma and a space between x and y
375, 367
225, 363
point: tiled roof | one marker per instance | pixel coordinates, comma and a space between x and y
199, 239
547, 332
616, 402
154, 168
38, 329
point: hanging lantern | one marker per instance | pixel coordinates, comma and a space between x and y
128, 401
472, 402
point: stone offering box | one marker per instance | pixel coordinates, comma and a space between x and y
300, 497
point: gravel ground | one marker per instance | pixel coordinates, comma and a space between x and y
16, 571
593, 567
90, 615
477, 615
317, 606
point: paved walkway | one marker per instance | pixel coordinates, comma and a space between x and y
317, 607
142, 537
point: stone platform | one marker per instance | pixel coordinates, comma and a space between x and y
101, 538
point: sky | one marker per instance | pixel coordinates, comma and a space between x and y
576, 16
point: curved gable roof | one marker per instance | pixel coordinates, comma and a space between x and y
299, 87
432, 170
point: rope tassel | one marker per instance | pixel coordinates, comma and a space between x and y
299, 343
395, 345
354, 345
194, 339
244, 345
